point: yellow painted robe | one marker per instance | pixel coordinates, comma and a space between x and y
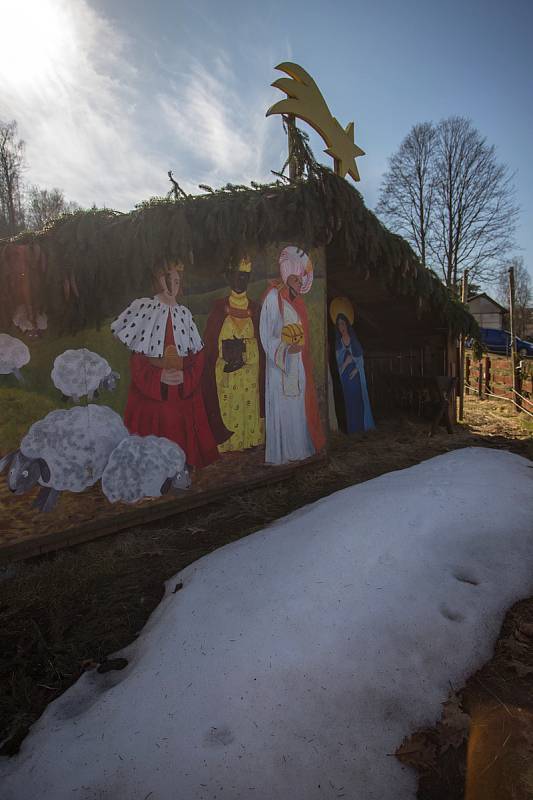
238, 392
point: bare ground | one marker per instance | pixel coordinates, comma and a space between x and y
63, 613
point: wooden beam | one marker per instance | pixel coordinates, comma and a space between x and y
13, 550
464, 298
291, 127
516, 398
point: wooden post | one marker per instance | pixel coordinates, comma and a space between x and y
487, 376
480, 379
513, 337
519, 385
451, 371
467, 374
464, 298
291, 126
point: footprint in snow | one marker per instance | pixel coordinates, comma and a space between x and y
448, 613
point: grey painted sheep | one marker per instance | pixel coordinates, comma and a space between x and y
13, 355
144, 466
66, 450
77, 373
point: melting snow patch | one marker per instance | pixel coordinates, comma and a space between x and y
294, 661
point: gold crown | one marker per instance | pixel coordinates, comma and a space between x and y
245, 265
172, 263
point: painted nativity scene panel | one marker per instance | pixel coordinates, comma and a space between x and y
184, 392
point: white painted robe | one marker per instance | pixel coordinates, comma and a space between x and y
287, 436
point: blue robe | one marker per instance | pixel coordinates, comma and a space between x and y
356, 401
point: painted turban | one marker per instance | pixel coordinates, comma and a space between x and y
293, 261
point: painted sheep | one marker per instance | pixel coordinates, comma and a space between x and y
13, 355
66, 450
144, 466
77, 373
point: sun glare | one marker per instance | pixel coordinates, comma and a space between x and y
38, 36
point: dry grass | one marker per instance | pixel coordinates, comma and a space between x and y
492, 759
498, 698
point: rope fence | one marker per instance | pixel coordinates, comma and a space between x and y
521, 396
501, 397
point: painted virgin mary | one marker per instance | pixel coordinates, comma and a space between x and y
350, 363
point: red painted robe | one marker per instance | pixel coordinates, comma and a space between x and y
176, 412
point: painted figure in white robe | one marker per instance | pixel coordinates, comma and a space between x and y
293, 428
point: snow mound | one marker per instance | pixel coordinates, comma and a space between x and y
294, 661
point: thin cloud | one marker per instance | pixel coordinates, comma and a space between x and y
222, 133
76, 107
106, 132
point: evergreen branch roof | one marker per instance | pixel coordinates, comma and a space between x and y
113, 256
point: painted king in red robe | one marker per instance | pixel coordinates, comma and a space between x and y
165, 394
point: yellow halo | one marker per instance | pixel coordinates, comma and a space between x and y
341, 305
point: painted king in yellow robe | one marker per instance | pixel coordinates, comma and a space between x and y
239, 391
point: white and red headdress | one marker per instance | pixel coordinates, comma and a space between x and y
294, 261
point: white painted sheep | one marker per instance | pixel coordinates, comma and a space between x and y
13, 355
144, 466
66, 450
77, 373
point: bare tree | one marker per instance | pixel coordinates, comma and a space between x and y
448, 196
45, 205
11, 166
406, 197
475, 216
523, 293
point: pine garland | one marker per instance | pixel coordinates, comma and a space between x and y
110, 256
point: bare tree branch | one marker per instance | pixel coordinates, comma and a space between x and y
406, 200
523, 292
475, 214
176, 192
11, 166
446, 193
45, 205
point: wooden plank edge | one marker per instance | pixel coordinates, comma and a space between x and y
60, 540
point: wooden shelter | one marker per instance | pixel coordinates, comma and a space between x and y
86, 269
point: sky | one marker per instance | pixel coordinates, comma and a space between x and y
111, 94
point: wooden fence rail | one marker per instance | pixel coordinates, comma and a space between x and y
493, 374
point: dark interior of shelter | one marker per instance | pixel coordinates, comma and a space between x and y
405, 344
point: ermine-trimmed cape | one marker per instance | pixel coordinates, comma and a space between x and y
141, 327
147, 327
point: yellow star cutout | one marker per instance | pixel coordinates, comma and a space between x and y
305, 101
